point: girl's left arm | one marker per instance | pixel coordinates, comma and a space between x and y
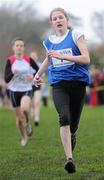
84, 57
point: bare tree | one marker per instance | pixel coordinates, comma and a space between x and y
97, 23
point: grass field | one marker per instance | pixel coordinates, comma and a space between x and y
43, 157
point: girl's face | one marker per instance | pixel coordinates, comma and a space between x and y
59, 21
18, 47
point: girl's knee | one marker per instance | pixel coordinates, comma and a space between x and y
24, 109
64, 120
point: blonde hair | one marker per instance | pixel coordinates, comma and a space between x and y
61, 10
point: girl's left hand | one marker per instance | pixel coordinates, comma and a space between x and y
54, 54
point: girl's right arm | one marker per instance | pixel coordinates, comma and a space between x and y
42, 69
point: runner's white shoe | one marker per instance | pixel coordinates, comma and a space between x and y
24, 141
29, 129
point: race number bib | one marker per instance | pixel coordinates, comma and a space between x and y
62, 62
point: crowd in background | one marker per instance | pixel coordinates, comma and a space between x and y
95, 92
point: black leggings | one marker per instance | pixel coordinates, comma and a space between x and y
68, 97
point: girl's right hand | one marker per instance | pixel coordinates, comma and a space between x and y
37, 80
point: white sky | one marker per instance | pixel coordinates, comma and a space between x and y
80, 8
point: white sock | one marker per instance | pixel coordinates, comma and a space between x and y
36, 119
